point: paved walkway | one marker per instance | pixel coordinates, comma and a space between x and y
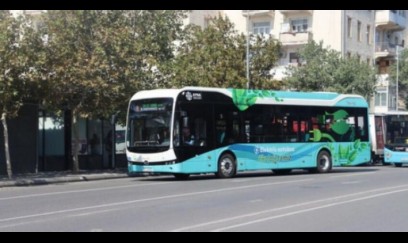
60, 177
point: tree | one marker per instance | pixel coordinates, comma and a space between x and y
317, 69
354, 76
323, 69
211, 57
98, 59
265, 55
139, 46
18, 67
215, 57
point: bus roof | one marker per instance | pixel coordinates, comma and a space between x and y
243, 96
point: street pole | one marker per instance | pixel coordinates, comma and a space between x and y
247, 51
397, 91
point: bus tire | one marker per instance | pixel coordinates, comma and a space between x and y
282, 171
227, 166
398, 164
324, 162
180, 176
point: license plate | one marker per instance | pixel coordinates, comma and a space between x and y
147, 169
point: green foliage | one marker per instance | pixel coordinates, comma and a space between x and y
318, 72
265, 55
99, 59
212, 57
216, 57
19, 71
325, 70
18, 45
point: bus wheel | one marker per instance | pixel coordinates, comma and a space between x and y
181, 176
282, 171
226, 166
398, 164
324, 163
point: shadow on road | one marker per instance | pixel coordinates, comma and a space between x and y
265, 173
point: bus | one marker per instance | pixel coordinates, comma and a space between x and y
390, 137
196, 130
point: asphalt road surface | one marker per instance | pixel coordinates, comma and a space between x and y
348, 199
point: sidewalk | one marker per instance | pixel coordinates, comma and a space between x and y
43, 178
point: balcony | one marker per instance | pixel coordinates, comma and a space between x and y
385, 49
295, 38
390, 20
258, 13
289, 12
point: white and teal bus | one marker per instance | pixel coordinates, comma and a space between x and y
389, 137
197, 130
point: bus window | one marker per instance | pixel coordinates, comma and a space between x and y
201, 132
220, 128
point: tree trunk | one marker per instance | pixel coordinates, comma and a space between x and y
6, 145
75, 167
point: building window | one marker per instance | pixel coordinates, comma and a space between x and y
263, 28
294, 57
381, 99
358, 57
368, 61
368, 34
299, 25
349, 27
358, 30
348, 55
383, 66
396, 40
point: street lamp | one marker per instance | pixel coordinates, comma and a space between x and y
396, 88
247, 51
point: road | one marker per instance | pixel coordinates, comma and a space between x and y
348, 199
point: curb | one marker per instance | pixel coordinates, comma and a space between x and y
73, 178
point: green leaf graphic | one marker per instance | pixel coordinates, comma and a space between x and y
357, 143
343, 152
353, 156
245, 98
340, 114
340, 127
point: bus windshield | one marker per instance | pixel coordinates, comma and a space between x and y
149, 125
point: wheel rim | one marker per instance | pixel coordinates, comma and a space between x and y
227, 166
324, 162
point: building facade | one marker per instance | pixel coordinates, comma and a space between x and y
372, 35
390, 37
22, 135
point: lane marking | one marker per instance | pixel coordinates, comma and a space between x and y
83, 190
224, 220
350, 182
354, 174
308, 210
147, 200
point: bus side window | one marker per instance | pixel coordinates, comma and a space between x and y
201, 132
220, 127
